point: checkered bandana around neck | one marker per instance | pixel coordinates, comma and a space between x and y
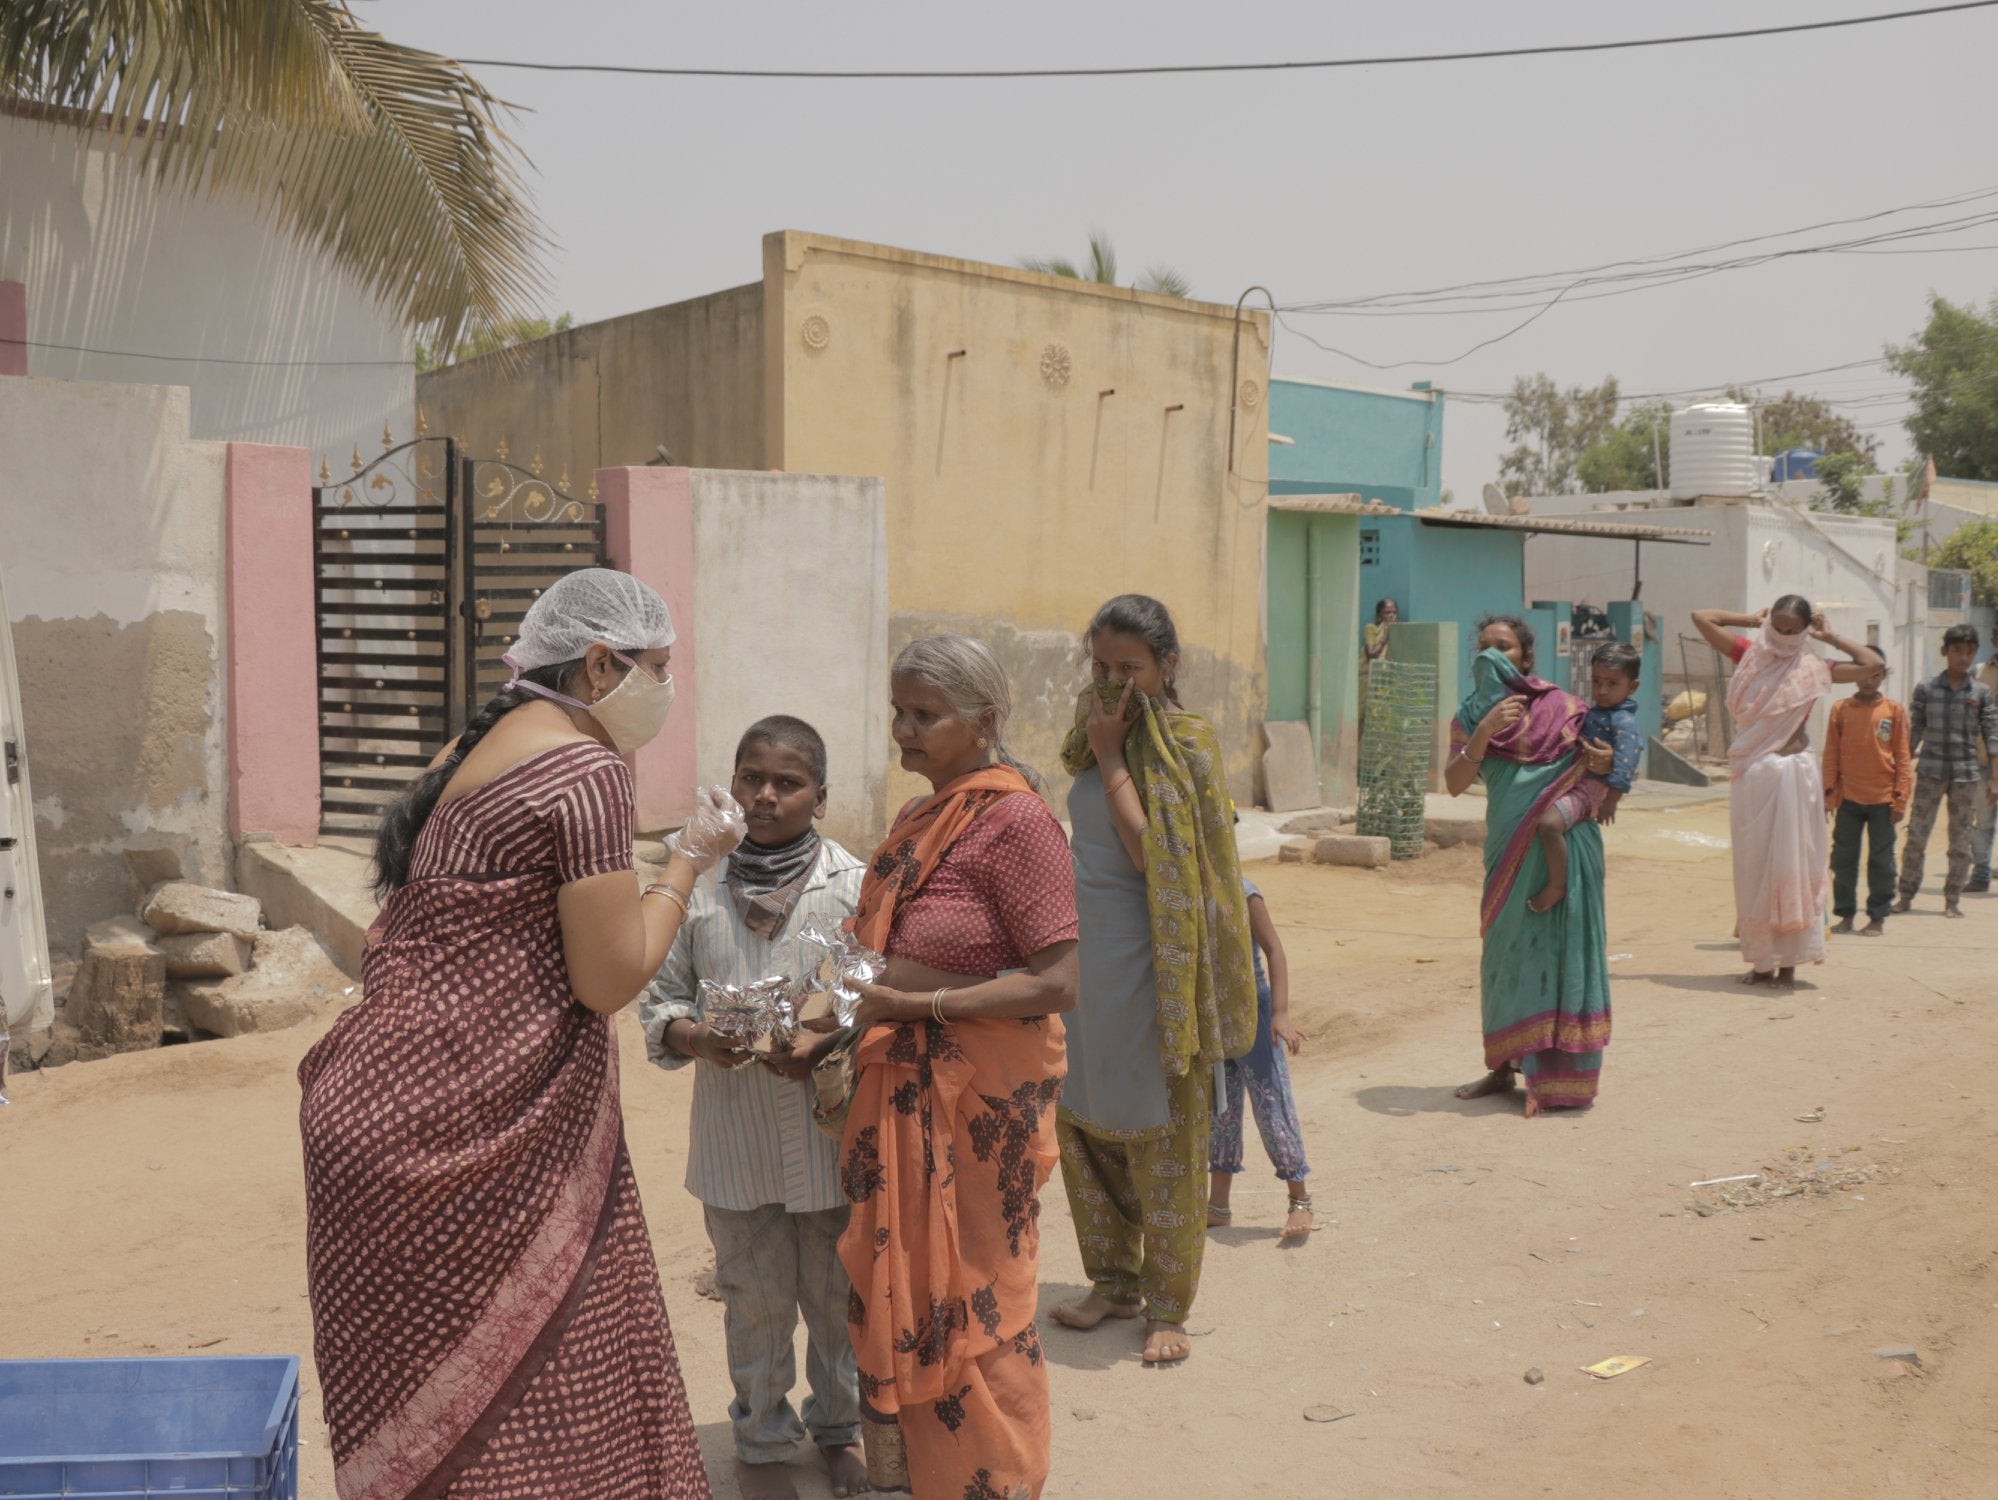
766, 883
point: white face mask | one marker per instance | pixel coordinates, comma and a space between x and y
632, 713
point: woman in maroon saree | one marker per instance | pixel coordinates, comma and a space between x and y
487, 1313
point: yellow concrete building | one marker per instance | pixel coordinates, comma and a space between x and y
1044, 444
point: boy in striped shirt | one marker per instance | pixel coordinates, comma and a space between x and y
768, 1179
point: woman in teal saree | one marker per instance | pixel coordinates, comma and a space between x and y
1544, 978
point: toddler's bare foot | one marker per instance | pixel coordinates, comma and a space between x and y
1092, 1310
1498, 1081
1166, 1343
848, 1470
1551, 895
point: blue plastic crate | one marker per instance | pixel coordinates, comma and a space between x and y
196, 1429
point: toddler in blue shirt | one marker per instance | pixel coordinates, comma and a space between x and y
1612, 721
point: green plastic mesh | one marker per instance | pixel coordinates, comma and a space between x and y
1394, 753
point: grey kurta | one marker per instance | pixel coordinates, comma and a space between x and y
1115, 1078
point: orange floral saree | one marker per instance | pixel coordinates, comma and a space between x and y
948, 1142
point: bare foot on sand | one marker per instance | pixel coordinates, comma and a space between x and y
1166, 1343
1551, 895
1874, 928
1756, 976
848, 1470
1844, 925
1498, 1081
1905, 905
764, 1482
1298, 1223
1092, 1310
1954, 911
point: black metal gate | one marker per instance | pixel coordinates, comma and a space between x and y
424, 562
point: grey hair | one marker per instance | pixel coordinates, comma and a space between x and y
968, 676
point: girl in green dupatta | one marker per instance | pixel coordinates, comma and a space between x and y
1544, 979
1168, 988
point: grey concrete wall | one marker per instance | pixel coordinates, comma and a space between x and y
111, 536
689, 376
791, 617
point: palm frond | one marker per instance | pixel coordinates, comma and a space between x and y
1059, 265
1102, 258
391, 160
1165, 281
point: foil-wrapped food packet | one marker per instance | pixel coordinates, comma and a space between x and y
833, 965
761, 1018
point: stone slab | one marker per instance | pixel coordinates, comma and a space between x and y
1290, 768
115, 1002
204, 955
182, 906
1361, 851
291, 980
156, 863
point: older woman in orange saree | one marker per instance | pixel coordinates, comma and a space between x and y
950, 1135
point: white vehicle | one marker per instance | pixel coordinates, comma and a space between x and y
27, 992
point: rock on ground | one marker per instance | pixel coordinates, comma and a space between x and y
292, 979
114, 1002
182, 906
204, 955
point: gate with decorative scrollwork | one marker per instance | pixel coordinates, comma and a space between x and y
424, 561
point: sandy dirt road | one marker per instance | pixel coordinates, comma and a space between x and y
152, 1204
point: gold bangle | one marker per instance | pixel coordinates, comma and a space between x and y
936, 1005
668, 891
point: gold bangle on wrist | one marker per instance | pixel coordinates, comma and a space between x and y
670, 893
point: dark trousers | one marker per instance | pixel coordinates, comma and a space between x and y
1877, 823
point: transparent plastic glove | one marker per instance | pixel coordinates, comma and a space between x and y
716, 827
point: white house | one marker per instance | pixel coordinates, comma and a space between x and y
106, 275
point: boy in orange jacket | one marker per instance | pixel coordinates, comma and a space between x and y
1869, 776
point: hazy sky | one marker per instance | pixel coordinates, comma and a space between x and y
1319, 185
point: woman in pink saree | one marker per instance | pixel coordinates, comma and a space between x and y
1776, 808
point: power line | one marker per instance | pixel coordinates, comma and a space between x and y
1159, 69
218, 359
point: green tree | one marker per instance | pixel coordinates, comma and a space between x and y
1795, 420
1630, 456
1972, 547
491, 340
1842, 483
1552, 429
389, 160
1101, 267
1953, 365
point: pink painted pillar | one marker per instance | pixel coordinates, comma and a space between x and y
273, 645
13, 328
649, 529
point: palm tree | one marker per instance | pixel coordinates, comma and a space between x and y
1103, 269
389, 160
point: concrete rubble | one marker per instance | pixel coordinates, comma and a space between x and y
180, 906
196, 964
290, 980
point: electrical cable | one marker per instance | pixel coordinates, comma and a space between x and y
219, 359
1160, 69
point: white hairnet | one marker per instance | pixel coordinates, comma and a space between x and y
588, 607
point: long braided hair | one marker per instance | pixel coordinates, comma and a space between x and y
395, 841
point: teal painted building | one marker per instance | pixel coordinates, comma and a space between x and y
1382, 445
1355, 517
